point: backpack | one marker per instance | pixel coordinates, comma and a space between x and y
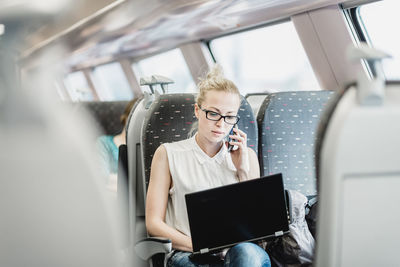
311, 215
297, 247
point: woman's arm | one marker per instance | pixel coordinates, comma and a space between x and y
254, 164
157, 200
244, 158
253, 170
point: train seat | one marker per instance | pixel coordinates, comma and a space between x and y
287, 123
175, 124
128, 193
55, 210
106, 115
255, 100
359, 179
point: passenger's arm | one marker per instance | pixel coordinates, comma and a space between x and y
254, 167
157, 200
254, 164
244, 158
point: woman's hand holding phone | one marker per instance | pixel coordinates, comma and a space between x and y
230, 146
240, 156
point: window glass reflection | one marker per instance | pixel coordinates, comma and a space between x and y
170, 64
267, 59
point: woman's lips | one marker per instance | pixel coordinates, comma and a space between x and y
217, 132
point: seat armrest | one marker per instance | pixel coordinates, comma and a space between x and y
148, 247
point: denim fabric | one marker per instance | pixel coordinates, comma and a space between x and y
247, 254
241, 255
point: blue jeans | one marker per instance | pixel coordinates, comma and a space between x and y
241, 255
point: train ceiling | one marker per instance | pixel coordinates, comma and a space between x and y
141, 27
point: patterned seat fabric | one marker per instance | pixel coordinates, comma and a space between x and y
106, 114
170, 119
288, 122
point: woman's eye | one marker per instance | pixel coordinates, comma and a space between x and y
214, 114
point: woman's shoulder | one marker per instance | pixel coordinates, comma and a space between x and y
182, 145
173, 149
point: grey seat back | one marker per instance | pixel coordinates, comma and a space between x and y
53, 202
106, 115
135, 180
133, 133
287, 124
170, 119
359, 178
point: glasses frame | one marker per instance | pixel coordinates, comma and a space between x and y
220, 116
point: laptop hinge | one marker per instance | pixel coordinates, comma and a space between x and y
204, 250
279, 233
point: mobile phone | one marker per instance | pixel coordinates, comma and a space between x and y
231, 147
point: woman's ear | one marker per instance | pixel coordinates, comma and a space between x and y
196, 110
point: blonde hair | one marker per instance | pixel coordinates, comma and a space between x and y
215, 81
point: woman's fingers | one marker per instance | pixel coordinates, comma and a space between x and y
240, 132
240, 138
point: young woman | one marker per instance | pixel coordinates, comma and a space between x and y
199, 163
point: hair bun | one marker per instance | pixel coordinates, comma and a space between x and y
215, 72
215, 80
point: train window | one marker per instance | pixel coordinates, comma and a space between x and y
265, 59
77, 87
376, 18
61, 92
111, 83
161, 64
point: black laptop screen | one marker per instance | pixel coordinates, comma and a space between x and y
238, 212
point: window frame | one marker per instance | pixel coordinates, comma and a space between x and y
91, 89
208, 41
97, 85
353, 16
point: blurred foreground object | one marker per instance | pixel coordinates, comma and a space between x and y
359, 172
55, 210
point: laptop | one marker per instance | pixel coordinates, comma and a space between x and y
247, 211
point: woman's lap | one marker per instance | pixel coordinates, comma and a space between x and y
182, 259
247, 254
243, 254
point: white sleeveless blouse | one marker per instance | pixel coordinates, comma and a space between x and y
193, 170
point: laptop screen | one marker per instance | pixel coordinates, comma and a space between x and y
245, 211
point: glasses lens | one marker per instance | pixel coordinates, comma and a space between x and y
213, 116
231, 119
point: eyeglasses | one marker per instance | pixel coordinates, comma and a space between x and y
214, 116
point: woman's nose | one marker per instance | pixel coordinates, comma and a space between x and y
220, 122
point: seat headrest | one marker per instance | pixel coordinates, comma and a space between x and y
106, 115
